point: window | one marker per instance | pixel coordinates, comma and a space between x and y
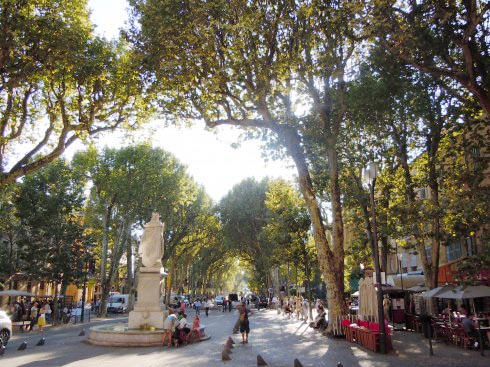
453, 249
413, 262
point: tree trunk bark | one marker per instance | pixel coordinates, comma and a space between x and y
331, 264
54, 313
103, 259
117, 252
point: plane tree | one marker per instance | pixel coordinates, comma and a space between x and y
59, 83
248, 64
445, 39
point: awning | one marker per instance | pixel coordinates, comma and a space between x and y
16, 293
436, 292
466, 292
405, 280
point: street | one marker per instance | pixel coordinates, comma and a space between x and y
278, 340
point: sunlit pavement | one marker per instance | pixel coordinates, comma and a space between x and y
275, 338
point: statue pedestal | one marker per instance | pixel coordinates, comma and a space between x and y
148, 310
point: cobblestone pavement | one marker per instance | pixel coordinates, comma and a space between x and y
275, 338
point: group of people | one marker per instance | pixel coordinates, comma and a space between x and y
227, 305
300, 307
38, 312
176, 328
293, 305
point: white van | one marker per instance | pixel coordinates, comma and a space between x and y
118, 303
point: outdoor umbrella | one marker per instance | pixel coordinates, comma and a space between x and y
435, 292
16, 293
417, 288
466, 292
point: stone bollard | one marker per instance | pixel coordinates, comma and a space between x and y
225, 356
261, 361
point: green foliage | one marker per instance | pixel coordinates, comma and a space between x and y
447, 39
59, 83
53, 237
244, 215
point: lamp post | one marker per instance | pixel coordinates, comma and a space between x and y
370, 175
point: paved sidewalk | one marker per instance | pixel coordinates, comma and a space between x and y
277, 339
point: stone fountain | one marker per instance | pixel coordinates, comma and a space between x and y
145, 325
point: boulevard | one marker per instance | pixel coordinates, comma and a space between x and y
277, 339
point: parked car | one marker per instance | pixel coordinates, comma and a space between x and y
118, 303
219, 300
5, 328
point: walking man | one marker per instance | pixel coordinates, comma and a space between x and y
244, 323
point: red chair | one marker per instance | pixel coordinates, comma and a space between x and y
364, 324
374, 326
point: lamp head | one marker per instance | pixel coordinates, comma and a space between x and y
370, 172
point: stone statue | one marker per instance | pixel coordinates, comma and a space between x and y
151, 246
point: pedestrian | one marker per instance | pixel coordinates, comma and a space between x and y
224, 304
197, 306
47, 312
206, 309
196, 326
34, 314
169, 327
230, 305
244, 323
41, 320
305, 309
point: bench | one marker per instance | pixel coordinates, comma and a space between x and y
21, 324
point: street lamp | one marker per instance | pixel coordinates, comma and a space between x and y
369, 176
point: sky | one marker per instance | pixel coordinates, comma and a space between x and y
209, 157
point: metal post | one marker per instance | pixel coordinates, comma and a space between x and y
379, 290
83, 297
480, 337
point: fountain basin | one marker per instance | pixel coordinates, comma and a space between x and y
118, 335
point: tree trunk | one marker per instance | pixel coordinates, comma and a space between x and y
117, 251
384, 254
168, 283
103, 259
331, 264
130, 278
54, 313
